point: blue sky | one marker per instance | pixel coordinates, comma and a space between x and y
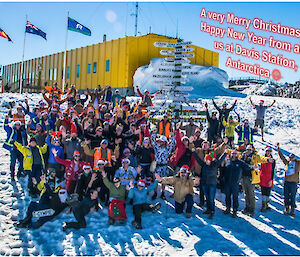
116, 20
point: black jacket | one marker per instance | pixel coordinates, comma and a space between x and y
234, 170
209, 173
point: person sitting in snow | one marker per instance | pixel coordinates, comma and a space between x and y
51, 201
183, 189
81, 209
139, 197
117, 196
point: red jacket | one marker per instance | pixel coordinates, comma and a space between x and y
70, 165
266, 174
179, 152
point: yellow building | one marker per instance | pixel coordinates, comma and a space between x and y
109, 63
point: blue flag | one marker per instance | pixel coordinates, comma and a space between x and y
77, 27
30, 28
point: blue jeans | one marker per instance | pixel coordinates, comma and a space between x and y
232, 190
15, 155
290, 191
210, 193
189, 204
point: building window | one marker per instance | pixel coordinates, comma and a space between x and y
55, 74
89, 68
50, 75
107, 65
33, 77
77, 71
68, 72
94, 67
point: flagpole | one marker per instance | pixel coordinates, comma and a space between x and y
65, 56
22, 65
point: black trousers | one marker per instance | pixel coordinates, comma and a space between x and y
81, 222
138, 209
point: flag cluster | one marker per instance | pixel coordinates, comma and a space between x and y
30, 28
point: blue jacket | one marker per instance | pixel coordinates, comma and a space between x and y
37, 120
140, 196
52, 121
12, 136
60, 152
244, 132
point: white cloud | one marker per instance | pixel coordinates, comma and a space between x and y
110, 16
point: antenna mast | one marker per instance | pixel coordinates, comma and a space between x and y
136, 17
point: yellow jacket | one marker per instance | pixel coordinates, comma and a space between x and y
229, 127
28, 159
42, 188
256, 159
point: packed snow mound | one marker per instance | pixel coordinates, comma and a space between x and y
265, 89
209, 83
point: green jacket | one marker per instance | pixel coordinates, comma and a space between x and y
118, 193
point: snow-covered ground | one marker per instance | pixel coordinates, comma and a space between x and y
165, 233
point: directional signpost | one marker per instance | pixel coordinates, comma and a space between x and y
173, 73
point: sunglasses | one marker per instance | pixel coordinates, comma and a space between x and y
77, 155
100, 164
87, 168
99, 130
117, 181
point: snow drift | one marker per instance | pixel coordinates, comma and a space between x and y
210, 81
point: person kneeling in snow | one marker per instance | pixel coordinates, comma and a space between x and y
52, 201
117, 195
139, 196
183, 189
81, 209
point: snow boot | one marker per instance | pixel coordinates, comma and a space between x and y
211, 215
245, 211
24, 223
251, 213
267, 205
155, 207
234, 214
188, 215
136, 225
207, 211
65, 226
227, 211
162, 196
154, 196
293, 212
263, 206
122, 221
286, 210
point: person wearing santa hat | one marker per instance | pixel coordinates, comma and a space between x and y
266, 179
260, 114
73, 168
183, 189
138, 195
127, 173
209, 175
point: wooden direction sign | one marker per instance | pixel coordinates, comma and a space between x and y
180, 50
166, 52
164, 44
190, 73
179, 88
184, 55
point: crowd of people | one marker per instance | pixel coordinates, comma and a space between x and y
102, 149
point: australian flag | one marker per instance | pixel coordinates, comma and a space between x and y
30, 28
